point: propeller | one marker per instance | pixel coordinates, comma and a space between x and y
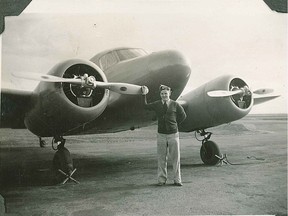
263, 91
85, 81
223, 93
244, 91
46, 78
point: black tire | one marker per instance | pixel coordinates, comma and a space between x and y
208, 151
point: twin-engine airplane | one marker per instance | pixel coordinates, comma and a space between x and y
103, 95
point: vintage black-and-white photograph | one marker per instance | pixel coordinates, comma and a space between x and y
132, 107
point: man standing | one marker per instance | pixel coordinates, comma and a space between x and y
169, 114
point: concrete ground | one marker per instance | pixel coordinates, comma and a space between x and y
117, 173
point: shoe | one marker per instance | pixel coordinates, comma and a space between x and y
161, 183
178, 184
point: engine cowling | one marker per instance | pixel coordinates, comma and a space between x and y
204, 111
57, 108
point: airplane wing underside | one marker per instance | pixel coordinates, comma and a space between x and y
122, 114
13, 106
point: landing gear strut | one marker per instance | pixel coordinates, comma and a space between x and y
209, 149
42, 143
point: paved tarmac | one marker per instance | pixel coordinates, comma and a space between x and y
117, 173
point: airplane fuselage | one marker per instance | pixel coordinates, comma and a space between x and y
126, 112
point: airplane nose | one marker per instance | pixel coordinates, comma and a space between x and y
169, 68
167, 59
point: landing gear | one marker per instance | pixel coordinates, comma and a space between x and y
62, 161
209, 149
208, 153
42, 143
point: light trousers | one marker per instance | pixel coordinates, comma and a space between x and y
168, 144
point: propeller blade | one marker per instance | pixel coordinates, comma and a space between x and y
121, 88
223, 93
263, 91
46, 78
261, 99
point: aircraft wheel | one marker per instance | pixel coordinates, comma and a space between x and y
208, 151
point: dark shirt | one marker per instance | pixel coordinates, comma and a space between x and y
167, 122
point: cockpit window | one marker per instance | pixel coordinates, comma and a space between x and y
107, 60
125, 54
113, 57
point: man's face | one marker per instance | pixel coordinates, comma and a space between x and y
165, 95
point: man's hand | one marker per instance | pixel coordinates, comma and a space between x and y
144, 90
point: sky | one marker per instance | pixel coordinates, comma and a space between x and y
243, 38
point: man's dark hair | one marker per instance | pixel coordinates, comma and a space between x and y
164, 87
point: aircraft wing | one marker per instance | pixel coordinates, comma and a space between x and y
14, 103
16, 92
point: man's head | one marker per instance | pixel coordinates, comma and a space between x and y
165, 92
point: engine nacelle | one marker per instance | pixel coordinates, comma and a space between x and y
204, 111
57, 108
